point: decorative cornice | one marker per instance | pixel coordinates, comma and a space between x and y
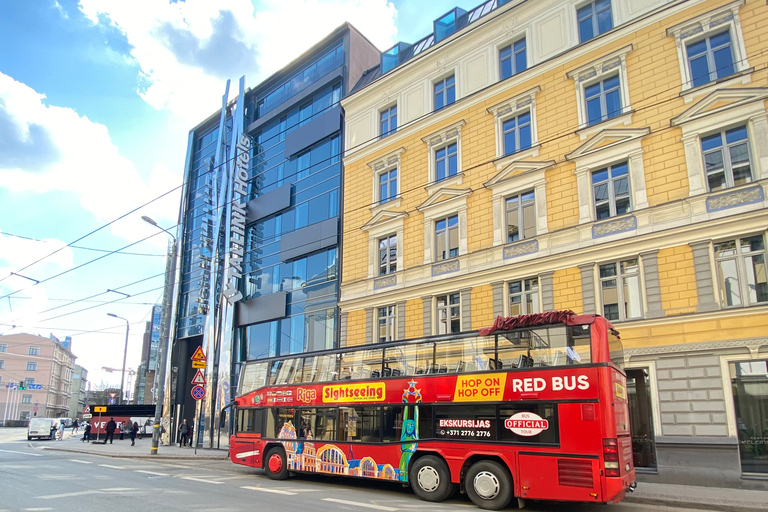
446, 267
521, 249
383, 217
737, 98
450, 132
518, 169
614, 226
616, 136
735, 198
389, 160
520, 101
443, 195
385, 282
599, 66
695, 347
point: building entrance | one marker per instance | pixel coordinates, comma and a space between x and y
749, 382
641, 418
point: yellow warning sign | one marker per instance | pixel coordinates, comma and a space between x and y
198, 355
198, 364
100, 409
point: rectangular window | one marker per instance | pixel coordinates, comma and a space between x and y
388, 121
2, 364
276, 419
320, 424
388, 255
512, 59
520, 214
447, 238
517, 133
446, 162
34, 351
28, 382
524, 297
710, 58
603, 100
726, 158
421, 415
250, 420
386, 323
444, 92
31, 366
594, 19
611, 189
26, 399
387, 185
3, 348
620, 290
360, 424
741, 272
449, 313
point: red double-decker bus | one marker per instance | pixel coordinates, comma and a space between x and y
534, 407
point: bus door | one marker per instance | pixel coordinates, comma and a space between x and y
246, 444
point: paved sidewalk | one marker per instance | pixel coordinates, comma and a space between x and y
695, 497
124, 449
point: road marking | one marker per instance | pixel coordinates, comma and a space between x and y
80, 461
203, 480
358, 504
68, 495
151, 472
23, 453
112, 467
273, 491
41, 508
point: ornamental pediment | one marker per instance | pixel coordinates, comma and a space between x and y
608, 138
442, 196
382, 218
721, 100
516, 170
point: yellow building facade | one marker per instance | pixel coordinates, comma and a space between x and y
606, 157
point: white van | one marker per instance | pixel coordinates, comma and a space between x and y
40, 428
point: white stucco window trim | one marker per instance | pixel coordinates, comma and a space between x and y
516, 178
704, 25
507, 41
385, 164
623, 144
436, 141
443, 203
513, 107
597, 70
722, 109
385, 223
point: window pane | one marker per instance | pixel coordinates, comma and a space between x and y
525, 137
757, 287
594, 113
521, 63
736, 134
613, 104
716, 181
713, 161
529, 220
711, 142
632, 307
604, 21
723, 249
601, 192
585, 30
608, 270
729, 282
699, 71
723, 62
697, 48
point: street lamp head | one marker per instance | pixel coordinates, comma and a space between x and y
148, 220
112, 314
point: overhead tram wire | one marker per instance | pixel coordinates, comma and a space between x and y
82, 248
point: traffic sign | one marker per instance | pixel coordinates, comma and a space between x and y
199, 355
198, 392
100, 408
199, 378
87, 409
198, 364
111, 401
112, 395
87, 416
35, 386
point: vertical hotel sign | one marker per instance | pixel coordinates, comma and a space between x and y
234, 267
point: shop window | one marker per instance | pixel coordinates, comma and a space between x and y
749, 383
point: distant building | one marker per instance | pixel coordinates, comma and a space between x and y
36, 361
145, 378
79, 392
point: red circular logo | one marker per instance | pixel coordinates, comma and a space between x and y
526, 424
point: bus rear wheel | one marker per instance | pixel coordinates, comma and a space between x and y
488, 485
430, 479
275, 464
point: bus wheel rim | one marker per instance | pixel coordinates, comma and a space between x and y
275, 463
428, 478
486, 485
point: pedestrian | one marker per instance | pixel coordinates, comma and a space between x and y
121, 426
54, 428
62, 426
75, 426
191, 432
111, 426
134, 431
87, 432
183, 431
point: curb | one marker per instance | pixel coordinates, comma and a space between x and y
153, 457
690, 504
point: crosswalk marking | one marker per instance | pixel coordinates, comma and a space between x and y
273, 491
80, 461
358, 504
111, 467
23, 453
203, 480
151, 472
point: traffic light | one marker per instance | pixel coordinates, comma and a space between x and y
21, 385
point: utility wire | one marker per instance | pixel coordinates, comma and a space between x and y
79, 247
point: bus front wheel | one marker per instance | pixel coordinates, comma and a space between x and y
488, 485
275, 464
431, 479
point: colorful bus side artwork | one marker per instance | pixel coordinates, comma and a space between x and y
533, 407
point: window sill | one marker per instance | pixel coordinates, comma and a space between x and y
393, 203
503, 161
447, 182
742, 77
587, 131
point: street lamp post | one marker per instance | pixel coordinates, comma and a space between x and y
170, 273
125, 353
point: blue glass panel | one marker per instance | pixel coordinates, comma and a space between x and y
509, 143
525, 137
724, 62
453, 221
452, 165
440, 225
584, 12
521, 62
451, 95
699, 71
697, 48
736, 134
613, 104
600, 175
604, 21
711, 142
610, 83
602, 3
524, 118
619, 170
592, 90
594, 114
720, 39
585, 30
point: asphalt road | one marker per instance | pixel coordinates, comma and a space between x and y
32, 479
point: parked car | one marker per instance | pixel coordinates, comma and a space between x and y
40, 428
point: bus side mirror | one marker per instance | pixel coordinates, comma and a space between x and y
223, 419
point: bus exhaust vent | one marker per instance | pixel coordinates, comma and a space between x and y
575, 473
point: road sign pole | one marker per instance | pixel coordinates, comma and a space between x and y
7, 400
98, 434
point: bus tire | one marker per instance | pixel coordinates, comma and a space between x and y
489, 485
275, 464
430, 479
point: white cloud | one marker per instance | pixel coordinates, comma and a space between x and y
80, 159
185, 58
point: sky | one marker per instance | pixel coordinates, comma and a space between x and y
97, 98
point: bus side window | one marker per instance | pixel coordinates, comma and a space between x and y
249, 420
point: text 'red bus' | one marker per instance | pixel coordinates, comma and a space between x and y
533, 408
